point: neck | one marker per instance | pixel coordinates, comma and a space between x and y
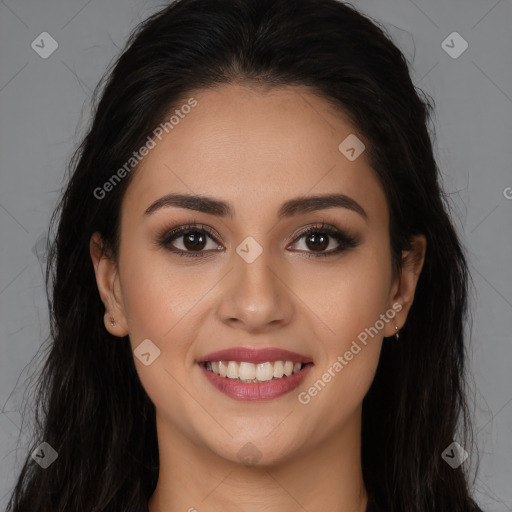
324, 477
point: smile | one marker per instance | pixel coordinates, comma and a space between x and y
244, 374
250, 372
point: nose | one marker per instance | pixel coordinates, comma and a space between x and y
255, 296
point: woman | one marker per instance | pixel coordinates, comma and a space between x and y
258, 294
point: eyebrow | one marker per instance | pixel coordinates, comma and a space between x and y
295, 206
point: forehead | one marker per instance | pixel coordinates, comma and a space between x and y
256, 147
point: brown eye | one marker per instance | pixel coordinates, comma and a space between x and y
194, 241
189, 241
318, 239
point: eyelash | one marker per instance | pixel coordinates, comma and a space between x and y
344, 240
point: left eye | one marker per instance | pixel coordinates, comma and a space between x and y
318, 238
317, 241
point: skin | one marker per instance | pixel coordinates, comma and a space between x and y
256, 148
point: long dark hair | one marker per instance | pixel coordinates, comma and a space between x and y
92, 408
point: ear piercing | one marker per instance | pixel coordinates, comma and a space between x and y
112, 321
397, 332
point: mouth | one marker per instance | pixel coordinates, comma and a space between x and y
249, 374
252, 373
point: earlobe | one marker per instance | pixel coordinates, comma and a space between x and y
107, 278
113, 327
406, 284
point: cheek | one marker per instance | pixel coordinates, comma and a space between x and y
159, 298
158, 292
349, 304
348, 296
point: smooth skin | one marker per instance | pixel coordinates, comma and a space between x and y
256, 148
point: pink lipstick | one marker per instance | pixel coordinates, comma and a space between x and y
255, 374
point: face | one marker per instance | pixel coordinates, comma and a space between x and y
263, 277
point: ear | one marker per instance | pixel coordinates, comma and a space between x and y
107, 280
404, 285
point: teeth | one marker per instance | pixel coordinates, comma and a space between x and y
278, 369
223, 369
233, 370
247, 371
250, 372
264, 371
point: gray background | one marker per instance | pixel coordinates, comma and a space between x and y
45, 105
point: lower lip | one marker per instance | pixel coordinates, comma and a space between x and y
256, 391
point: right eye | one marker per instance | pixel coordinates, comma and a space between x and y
194, 239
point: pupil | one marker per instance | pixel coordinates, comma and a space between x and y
322, 243
194, 240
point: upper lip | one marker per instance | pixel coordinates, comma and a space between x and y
253, 355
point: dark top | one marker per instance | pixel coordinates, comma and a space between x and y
370, 508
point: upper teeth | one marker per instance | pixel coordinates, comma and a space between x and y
253, 372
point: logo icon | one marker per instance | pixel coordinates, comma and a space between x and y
39, 249
146, 352
249, 249
454, 455
44, 45
44, 455
352, 147
249, 454
454, 45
